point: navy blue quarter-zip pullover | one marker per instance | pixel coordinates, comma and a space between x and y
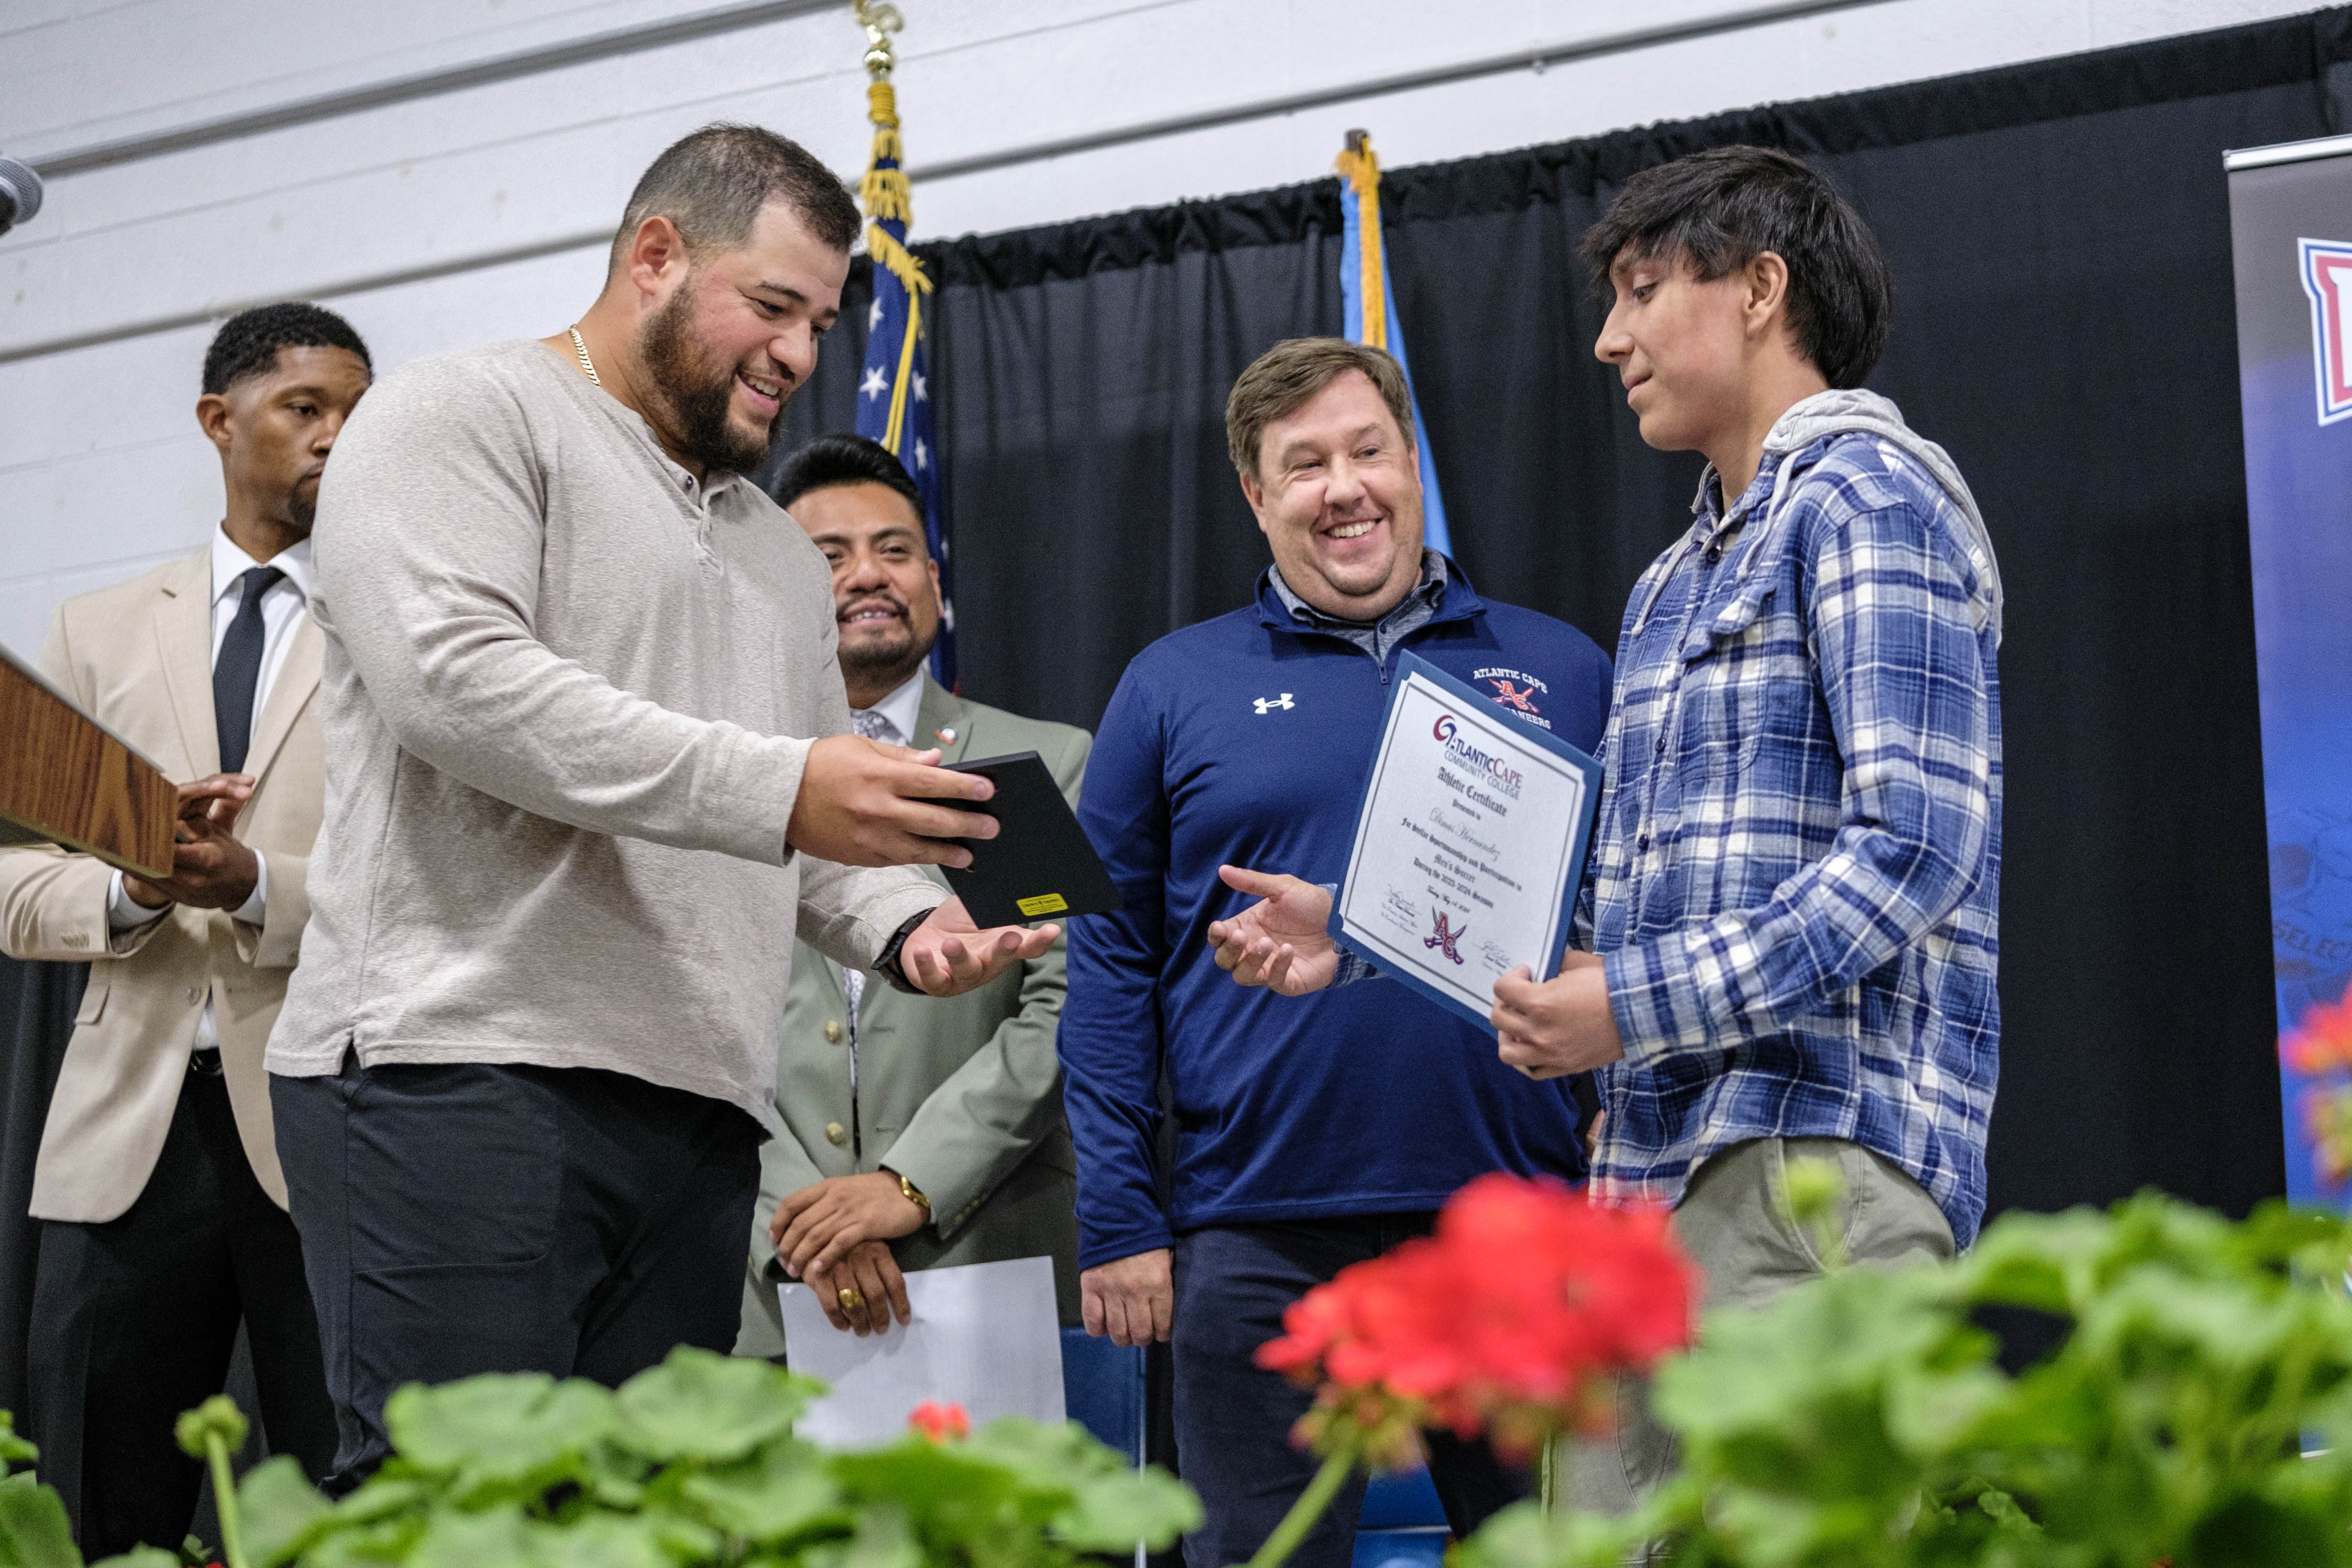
1246, 740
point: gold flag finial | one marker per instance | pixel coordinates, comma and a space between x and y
880, 19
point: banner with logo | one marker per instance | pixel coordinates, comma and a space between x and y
2291, 221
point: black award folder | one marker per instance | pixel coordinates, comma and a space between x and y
1039, 867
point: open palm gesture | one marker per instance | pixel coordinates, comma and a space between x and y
1283, 941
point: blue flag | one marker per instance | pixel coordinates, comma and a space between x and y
1369, 307
893, 391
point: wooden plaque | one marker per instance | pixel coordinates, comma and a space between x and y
66, 778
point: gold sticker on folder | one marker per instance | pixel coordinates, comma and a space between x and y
1042, 904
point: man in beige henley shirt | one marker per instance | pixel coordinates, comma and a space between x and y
588, 776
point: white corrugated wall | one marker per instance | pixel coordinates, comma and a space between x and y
444, 172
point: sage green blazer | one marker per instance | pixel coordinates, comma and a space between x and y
961, 1097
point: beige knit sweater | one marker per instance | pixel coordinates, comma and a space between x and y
568, 693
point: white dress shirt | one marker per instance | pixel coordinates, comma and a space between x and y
897, 713
282, 609
899, 710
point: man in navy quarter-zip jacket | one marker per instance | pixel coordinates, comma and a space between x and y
1310, 1134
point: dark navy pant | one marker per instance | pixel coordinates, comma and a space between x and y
1234, 1419
468, 1218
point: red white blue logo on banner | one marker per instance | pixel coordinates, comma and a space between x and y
2327, 278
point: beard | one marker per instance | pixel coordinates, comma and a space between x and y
894, 657
699, 394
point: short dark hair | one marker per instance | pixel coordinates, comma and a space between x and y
1286, 378
842, 460
248, 342
713, 184
1719, 209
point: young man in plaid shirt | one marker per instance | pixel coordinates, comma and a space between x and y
1791, 907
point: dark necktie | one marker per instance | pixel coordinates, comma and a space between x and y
238, 670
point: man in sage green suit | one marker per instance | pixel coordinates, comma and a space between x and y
920, 1132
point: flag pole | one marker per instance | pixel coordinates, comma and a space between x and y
1368, 306
1361, 168
894, 405
888, 196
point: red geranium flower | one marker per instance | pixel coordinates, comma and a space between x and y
2322, 1042
939, 1422
1510, 1321
2320, 1046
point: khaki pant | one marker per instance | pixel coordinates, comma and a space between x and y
1734, 1223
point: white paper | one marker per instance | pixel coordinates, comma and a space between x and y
986, 1336
1465, 853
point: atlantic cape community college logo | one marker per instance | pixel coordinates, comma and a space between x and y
1509, 696
1515, 692
1448, 934
2327, 278
1492, 769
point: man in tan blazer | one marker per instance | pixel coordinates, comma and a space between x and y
920, 1132
157, 1179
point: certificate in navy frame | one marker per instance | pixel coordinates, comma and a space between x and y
1578, 849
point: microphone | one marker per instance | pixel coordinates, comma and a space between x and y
20, 193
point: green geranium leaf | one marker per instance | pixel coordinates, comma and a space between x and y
1928, 1411
884, 1538
1794, 1396
2006, 1516
365, 1546
140, 1557
1050, 1457
500, 1435
701, 1405
2043, 1262
13, 1449
280, 1512
1115, 1512
1525, 1536
2256, 1529
599, 1541
2316, 1242
389, 1492
778, 1496
499, 1538
611, 1488
33, 1530
1518, 1537
942, 1480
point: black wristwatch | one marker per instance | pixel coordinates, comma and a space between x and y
887, 966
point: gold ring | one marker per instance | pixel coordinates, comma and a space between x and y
850, 1299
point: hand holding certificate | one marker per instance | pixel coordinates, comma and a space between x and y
1470, 844
1469, 850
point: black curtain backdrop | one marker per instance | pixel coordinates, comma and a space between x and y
38, 1001
2060, 237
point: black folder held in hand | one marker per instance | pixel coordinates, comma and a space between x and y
1039, 867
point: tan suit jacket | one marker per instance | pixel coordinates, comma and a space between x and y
138, 658
962, 1096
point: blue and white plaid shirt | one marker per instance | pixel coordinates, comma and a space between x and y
1795, 876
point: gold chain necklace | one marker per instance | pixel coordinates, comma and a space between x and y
585, 362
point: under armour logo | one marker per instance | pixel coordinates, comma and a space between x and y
1266, 705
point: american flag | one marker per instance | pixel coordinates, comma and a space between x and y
894, 392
